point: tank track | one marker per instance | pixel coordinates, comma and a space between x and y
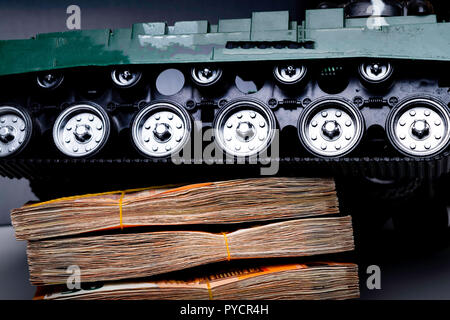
243, 84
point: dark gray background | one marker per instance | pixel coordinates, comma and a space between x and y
13, 194
411, 276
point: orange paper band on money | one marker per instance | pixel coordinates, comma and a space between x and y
228, 248
208, 285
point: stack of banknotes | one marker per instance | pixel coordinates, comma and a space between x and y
260, 238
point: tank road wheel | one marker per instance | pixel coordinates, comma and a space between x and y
419, 127
81, 130
125, 78
15, 130
244, 128
419, 8
375, 72
290, 74
161, 129
331, 128
49, 80
206, 76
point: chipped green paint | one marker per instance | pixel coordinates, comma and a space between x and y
417, 38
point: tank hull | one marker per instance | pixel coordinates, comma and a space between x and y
327, 55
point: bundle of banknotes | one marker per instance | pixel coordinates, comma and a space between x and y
235, 239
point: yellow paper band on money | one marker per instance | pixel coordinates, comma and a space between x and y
208, 285
121, 209
228, 247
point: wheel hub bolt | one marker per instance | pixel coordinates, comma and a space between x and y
162, 132
375, 68
50, 77
331, 129
290, 71
245, 130
6, 134
207, 73
83, 133
420, 129
127, 75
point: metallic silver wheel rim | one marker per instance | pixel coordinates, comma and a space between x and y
375, 72
81, 130
161, 129
420, 127
49, 80
15, 130
125, 78
206, 76
244, 128
289, 74
331, 128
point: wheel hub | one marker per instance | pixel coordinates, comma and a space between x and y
331, 129
245, 130
83, 133
376, 69
207, 73
49, 77
162, 132
290, 70
420, 129
127, 75
7, 134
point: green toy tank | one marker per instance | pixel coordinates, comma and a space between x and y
359, 88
